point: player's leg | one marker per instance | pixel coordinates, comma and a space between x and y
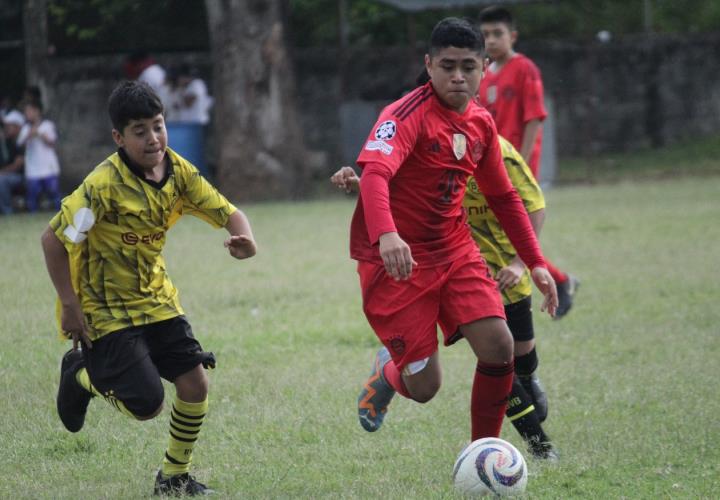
181, 360
527, 404
404, 317
472, 307
119, 370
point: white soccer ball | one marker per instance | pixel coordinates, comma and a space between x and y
490, 466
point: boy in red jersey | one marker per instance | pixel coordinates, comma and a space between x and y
418, 265
512, 91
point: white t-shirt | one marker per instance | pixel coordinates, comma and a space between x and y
154, 76
40, 159
199, 111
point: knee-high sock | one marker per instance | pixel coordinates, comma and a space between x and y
185, 422
557, 274
490, 391
83, 378
521, 413
394, 378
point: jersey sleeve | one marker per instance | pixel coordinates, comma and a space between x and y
522, 179
78, 213
202, 200
532, 94
388, 145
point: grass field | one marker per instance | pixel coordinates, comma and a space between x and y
632, 373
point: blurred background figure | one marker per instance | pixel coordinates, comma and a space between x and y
141, 66
42, 167
190, 100
11, 159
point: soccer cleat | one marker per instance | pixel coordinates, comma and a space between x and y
180, 485
566, 294
531, 384
72, 399
375, 395
544, 451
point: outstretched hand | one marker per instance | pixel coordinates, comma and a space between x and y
346, 179
240, 246
546, 284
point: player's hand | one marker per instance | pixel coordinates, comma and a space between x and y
72, 322
346, 179
241, 246
510, 275
396, 256
546, 284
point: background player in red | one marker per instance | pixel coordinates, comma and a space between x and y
418, 264
512, 91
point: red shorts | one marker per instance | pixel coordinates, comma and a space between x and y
405, 314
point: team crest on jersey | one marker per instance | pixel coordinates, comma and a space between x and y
459, 146
492, 94
385, 131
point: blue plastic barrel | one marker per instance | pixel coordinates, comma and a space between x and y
188, 140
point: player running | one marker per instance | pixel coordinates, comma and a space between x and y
103, 254
418, 265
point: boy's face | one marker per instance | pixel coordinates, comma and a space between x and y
455, 75
499, 39
144, 141
32, 114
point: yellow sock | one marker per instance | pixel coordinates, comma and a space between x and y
83, 379
185, 422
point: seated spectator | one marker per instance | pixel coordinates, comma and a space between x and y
11, 160
42, 168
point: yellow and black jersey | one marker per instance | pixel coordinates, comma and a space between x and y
487, 232
114, 227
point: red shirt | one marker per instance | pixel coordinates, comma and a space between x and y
514, 96
415, 167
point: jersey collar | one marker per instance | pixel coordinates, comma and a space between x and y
138, 171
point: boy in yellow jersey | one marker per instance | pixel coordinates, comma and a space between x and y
527, 405
103, 254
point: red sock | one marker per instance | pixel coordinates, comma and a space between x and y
557, 274
394, 378
488, 402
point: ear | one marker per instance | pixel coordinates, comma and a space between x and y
118, 138
427, 63
513, 37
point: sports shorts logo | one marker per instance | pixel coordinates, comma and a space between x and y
83, 220
385, 131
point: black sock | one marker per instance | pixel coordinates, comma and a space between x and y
521, 413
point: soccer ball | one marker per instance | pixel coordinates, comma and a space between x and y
490, 466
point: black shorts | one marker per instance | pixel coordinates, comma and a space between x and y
519, 319
127, 364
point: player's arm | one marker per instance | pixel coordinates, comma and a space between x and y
530, 133
58, 266
510, 275
346, 179
15, 165
506, 204
241, 243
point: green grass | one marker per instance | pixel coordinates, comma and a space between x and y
690, 158
632, 372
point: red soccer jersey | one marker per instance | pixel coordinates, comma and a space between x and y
415, 167
514, 96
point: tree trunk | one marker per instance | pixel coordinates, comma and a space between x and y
36, 47
260, 148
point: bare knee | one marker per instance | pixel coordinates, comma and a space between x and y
193, 386
151, 415
426, 392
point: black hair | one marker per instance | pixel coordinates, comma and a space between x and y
132, 100
497, 14
455, 32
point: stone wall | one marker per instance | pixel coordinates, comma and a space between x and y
619, 96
